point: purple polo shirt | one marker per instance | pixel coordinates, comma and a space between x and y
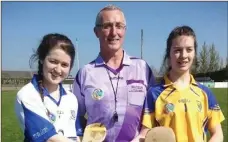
95, 95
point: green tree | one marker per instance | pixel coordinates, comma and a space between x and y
214, 59
226, 64
195, 66
203, 59
221, 64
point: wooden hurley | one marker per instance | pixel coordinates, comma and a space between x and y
94, 133
160, 134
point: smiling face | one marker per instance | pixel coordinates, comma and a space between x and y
111, 30
182, 53
56, 66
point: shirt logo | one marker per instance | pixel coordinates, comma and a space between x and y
60, 113
199, 106
97, 94
184, 101
116, 78
40, 133
215, 107
135, 88
169, 107
73, 115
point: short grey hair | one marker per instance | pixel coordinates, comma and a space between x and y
106, 8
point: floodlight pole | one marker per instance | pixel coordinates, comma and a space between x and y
141, 43
77, 53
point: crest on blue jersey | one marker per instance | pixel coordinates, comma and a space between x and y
97, 94
73, 115
169, 107
52, 117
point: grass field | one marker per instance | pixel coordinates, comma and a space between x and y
11, 131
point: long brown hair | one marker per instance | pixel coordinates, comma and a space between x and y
176, 32
49, 42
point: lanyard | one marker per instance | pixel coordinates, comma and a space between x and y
115, 115
51, 116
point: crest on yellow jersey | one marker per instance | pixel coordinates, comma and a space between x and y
199, 106
169, 107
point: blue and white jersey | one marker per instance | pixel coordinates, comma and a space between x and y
39, 125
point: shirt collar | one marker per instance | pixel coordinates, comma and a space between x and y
35, 83
126, 60
168, 82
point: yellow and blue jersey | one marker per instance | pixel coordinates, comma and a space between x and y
189, 111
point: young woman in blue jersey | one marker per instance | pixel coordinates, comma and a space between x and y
46, 111
178, 101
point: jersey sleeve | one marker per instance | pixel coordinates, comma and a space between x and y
215, 115
148, 119
33, 120
80, 121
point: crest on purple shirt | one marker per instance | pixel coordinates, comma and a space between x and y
97, 94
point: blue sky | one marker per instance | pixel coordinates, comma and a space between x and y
24, 24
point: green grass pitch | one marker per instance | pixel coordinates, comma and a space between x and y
11, 131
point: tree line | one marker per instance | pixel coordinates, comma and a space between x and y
209, 60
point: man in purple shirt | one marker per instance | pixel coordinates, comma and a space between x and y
112, 88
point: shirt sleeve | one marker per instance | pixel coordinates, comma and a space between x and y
149, 111
215, 115
80, 122
33, 120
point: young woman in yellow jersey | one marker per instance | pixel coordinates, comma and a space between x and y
178, 101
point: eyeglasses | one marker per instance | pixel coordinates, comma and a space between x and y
108, 26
